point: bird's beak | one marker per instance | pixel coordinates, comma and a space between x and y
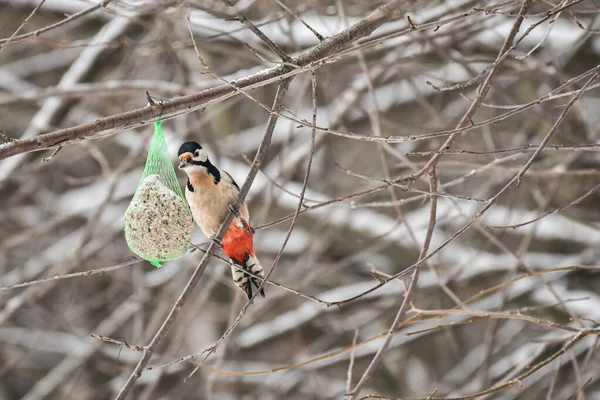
184, 160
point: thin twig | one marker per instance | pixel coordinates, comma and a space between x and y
482, 90
21, 26
492, 200
351, 364
310, 59
100, 271
407, 296
118, 342
544, 215
286, 8
498, 315
58, 24
270, 44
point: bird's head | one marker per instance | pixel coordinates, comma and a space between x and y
192, 155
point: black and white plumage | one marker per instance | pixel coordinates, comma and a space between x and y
210, 192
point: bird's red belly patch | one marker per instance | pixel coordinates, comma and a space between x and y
237, 242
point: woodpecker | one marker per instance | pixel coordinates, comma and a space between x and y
211, 193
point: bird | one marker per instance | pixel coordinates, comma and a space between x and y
211, 193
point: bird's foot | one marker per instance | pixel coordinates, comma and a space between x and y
216, 241
233, 210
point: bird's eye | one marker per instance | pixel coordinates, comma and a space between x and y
197, 153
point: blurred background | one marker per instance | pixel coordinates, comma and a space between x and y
536, 284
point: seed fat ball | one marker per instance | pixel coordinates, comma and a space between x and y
158, 222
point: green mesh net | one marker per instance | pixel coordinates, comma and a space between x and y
158, 221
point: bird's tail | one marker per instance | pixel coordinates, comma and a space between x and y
244, 280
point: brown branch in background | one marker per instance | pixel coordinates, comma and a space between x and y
48, 384
25, 21
482, 90
304, 183
551, 95
544, 215
492, 200
142, 116
517, 381
522, 149
120, 343
210, 71
270, 44
286, 8
351, 364
99, 271
511, 383
6, 137
408, 322
38, 32
518, 315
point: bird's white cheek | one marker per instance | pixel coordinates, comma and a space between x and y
202, 156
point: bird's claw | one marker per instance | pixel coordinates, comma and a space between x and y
216, 241
233, 210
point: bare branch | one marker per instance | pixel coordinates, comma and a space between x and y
142, 116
